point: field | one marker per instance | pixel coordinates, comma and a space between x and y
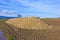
5, 30
52, 21
13, 33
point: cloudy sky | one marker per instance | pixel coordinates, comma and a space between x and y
40, 8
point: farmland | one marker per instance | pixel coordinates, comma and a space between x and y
20, 33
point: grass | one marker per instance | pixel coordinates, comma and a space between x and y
34, 34
30, 34
9, 36
3, 27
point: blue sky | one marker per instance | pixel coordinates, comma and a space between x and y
39, 8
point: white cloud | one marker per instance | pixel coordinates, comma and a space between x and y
40, 6
8, 13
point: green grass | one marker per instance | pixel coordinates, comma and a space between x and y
10, 37
3, 20
3, 27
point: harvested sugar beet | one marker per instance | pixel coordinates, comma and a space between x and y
28, 23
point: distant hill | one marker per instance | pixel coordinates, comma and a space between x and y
4, 17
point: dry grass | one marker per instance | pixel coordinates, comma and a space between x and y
28, 23
33, 33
